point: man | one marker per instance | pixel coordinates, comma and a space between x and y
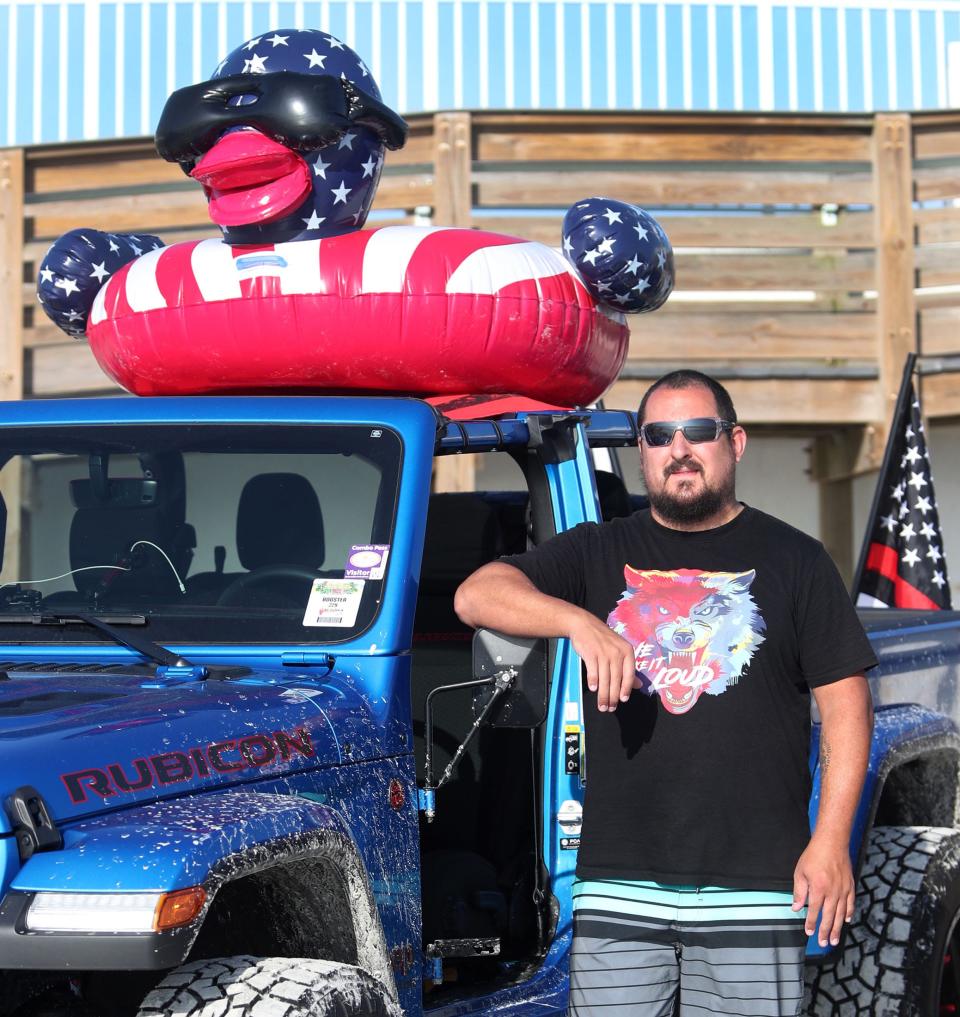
703, 626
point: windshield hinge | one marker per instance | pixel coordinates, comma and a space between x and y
307, 658
32, 823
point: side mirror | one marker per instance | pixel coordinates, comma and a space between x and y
524, 705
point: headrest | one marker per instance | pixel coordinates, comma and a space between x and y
112, 513
463, 533
279, 522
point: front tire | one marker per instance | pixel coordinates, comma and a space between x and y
897, 957
278, 986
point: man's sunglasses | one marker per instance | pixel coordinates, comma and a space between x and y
660, 433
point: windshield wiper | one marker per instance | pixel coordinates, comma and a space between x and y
133, 641
160, 655
55, 618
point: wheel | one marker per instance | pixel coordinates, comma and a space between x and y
278, 986
900, 957
280, 575
274, 986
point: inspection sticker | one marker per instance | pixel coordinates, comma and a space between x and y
334, 602
367, 561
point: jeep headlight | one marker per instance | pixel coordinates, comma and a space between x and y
114, 912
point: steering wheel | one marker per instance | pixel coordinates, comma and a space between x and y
233, 595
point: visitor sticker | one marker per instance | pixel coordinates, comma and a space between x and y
334, 603
367, 561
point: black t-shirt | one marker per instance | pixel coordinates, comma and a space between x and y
702, 778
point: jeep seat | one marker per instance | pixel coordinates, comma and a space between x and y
279, 524
103, 533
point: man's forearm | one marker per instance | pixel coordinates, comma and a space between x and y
500, 597
846, 715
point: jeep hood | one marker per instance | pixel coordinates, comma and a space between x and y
103, 740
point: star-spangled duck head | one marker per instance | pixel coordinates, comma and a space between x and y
287, 138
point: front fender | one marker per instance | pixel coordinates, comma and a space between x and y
200, 840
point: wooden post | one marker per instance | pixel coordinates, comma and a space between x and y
453, 206
11, 336
836, 523
894, 238
452, 167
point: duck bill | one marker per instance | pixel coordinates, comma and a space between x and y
250, 179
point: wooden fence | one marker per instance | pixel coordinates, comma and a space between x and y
812, 252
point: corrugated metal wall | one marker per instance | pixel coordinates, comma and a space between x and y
97, 69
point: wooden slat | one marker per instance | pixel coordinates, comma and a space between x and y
131, 165
647, 120
941, 396
936, 144
132, 213
182, 209
938, 264
735, 337
66, 369
940, 330
686, 302
417, 151
767, 271
937, 225
43, 332
405, 191
602, 142
776, 401
932, 182
644, 187
803, 230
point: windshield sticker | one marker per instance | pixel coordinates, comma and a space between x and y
367, 561
334, 603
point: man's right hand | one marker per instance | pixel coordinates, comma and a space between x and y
607, 658
499, 596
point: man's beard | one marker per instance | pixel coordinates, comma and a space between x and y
692, 509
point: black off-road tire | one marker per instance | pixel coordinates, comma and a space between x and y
271, 987
891, 962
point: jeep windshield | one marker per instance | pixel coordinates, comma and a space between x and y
205, 533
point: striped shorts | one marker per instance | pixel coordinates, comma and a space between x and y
650, 950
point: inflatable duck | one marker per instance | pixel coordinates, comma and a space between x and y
288, 139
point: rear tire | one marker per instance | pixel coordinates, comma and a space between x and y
896, 958
269, 987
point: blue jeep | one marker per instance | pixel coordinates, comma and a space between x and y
254, 765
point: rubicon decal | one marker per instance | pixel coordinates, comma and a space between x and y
253, 751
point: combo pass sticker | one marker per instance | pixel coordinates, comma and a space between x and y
367, 561
334, 603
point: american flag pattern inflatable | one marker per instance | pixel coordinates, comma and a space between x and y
421, 310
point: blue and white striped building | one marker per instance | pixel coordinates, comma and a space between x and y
103, 68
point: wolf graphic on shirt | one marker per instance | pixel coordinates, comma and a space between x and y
692, 632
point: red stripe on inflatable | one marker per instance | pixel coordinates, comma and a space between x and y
440, 254
884, 559
175, 276
341, 262
260, 286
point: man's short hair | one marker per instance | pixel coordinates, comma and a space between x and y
692, 379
